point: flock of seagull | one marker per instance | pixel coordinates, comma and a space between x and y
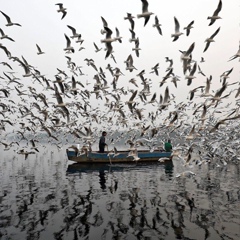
203, 128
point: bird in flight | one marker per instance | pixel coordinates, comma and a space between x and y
39, 50
209, 40
145, 13
62, 10
177, 33
9, 22
188, 28
157, 25
215, 16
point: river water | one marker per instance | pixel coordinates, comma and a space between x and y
48, 197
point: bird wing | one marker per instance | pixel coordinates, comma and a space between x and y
166, 96
133, 95
6, 16
216, 32
177, 25
206, 47
144, 6
105, 24
109, 32
73, 29
219, 7
68, 40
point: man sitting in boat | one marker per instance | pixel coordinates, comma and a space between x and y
102, 143
168, 146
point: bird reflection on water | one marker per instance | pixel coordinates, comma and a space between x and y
48, 197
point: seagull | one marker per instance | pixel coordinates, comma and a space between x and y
237, 55
26, 68
155, 69
145, 13
9, 20
25, 153
69, 48
118, 35
166, 100
5, 50
6, 64
130, 18
60, 102
133, 81
133, 36
175, 79
136, 48
134, 153
4, 36
62, 10
116, 153
215, 16
157, 25
209, 40
177, 32
200, 71
204, 112
97, 48
189, 26
74, 32
192, 134
34, 145
129, 63
191, 76
192, 92
207, 88
108, 41
74, 86
39, 50
218, 94
130, 101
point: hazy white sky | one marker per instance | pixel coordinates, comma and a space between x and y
42, 25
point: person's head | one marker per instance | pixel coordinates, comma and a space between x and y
169, 141
104, 133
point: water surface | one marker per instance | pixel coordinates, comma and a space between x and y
47, 197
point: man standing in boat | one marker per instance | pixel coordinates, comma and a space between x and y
102, 143
168, 146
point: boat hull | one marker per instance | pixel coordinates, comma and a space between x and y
122, 157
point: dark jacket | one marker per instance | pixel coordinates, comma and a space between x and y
102, 143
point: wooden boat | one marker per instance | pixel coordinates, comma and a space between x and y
120, 157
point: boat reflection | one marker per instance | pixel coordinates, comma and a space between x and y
83, 167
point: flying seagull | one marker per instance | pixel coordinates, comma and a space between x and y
157, 25
69, 48
39, 50
235, 55
188, 28
108, 41
9, 22
177, 33
209, 40
4, 36
74, 32
145, 13
62, 10
97, 48
130, 18
136, 48
215, 16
